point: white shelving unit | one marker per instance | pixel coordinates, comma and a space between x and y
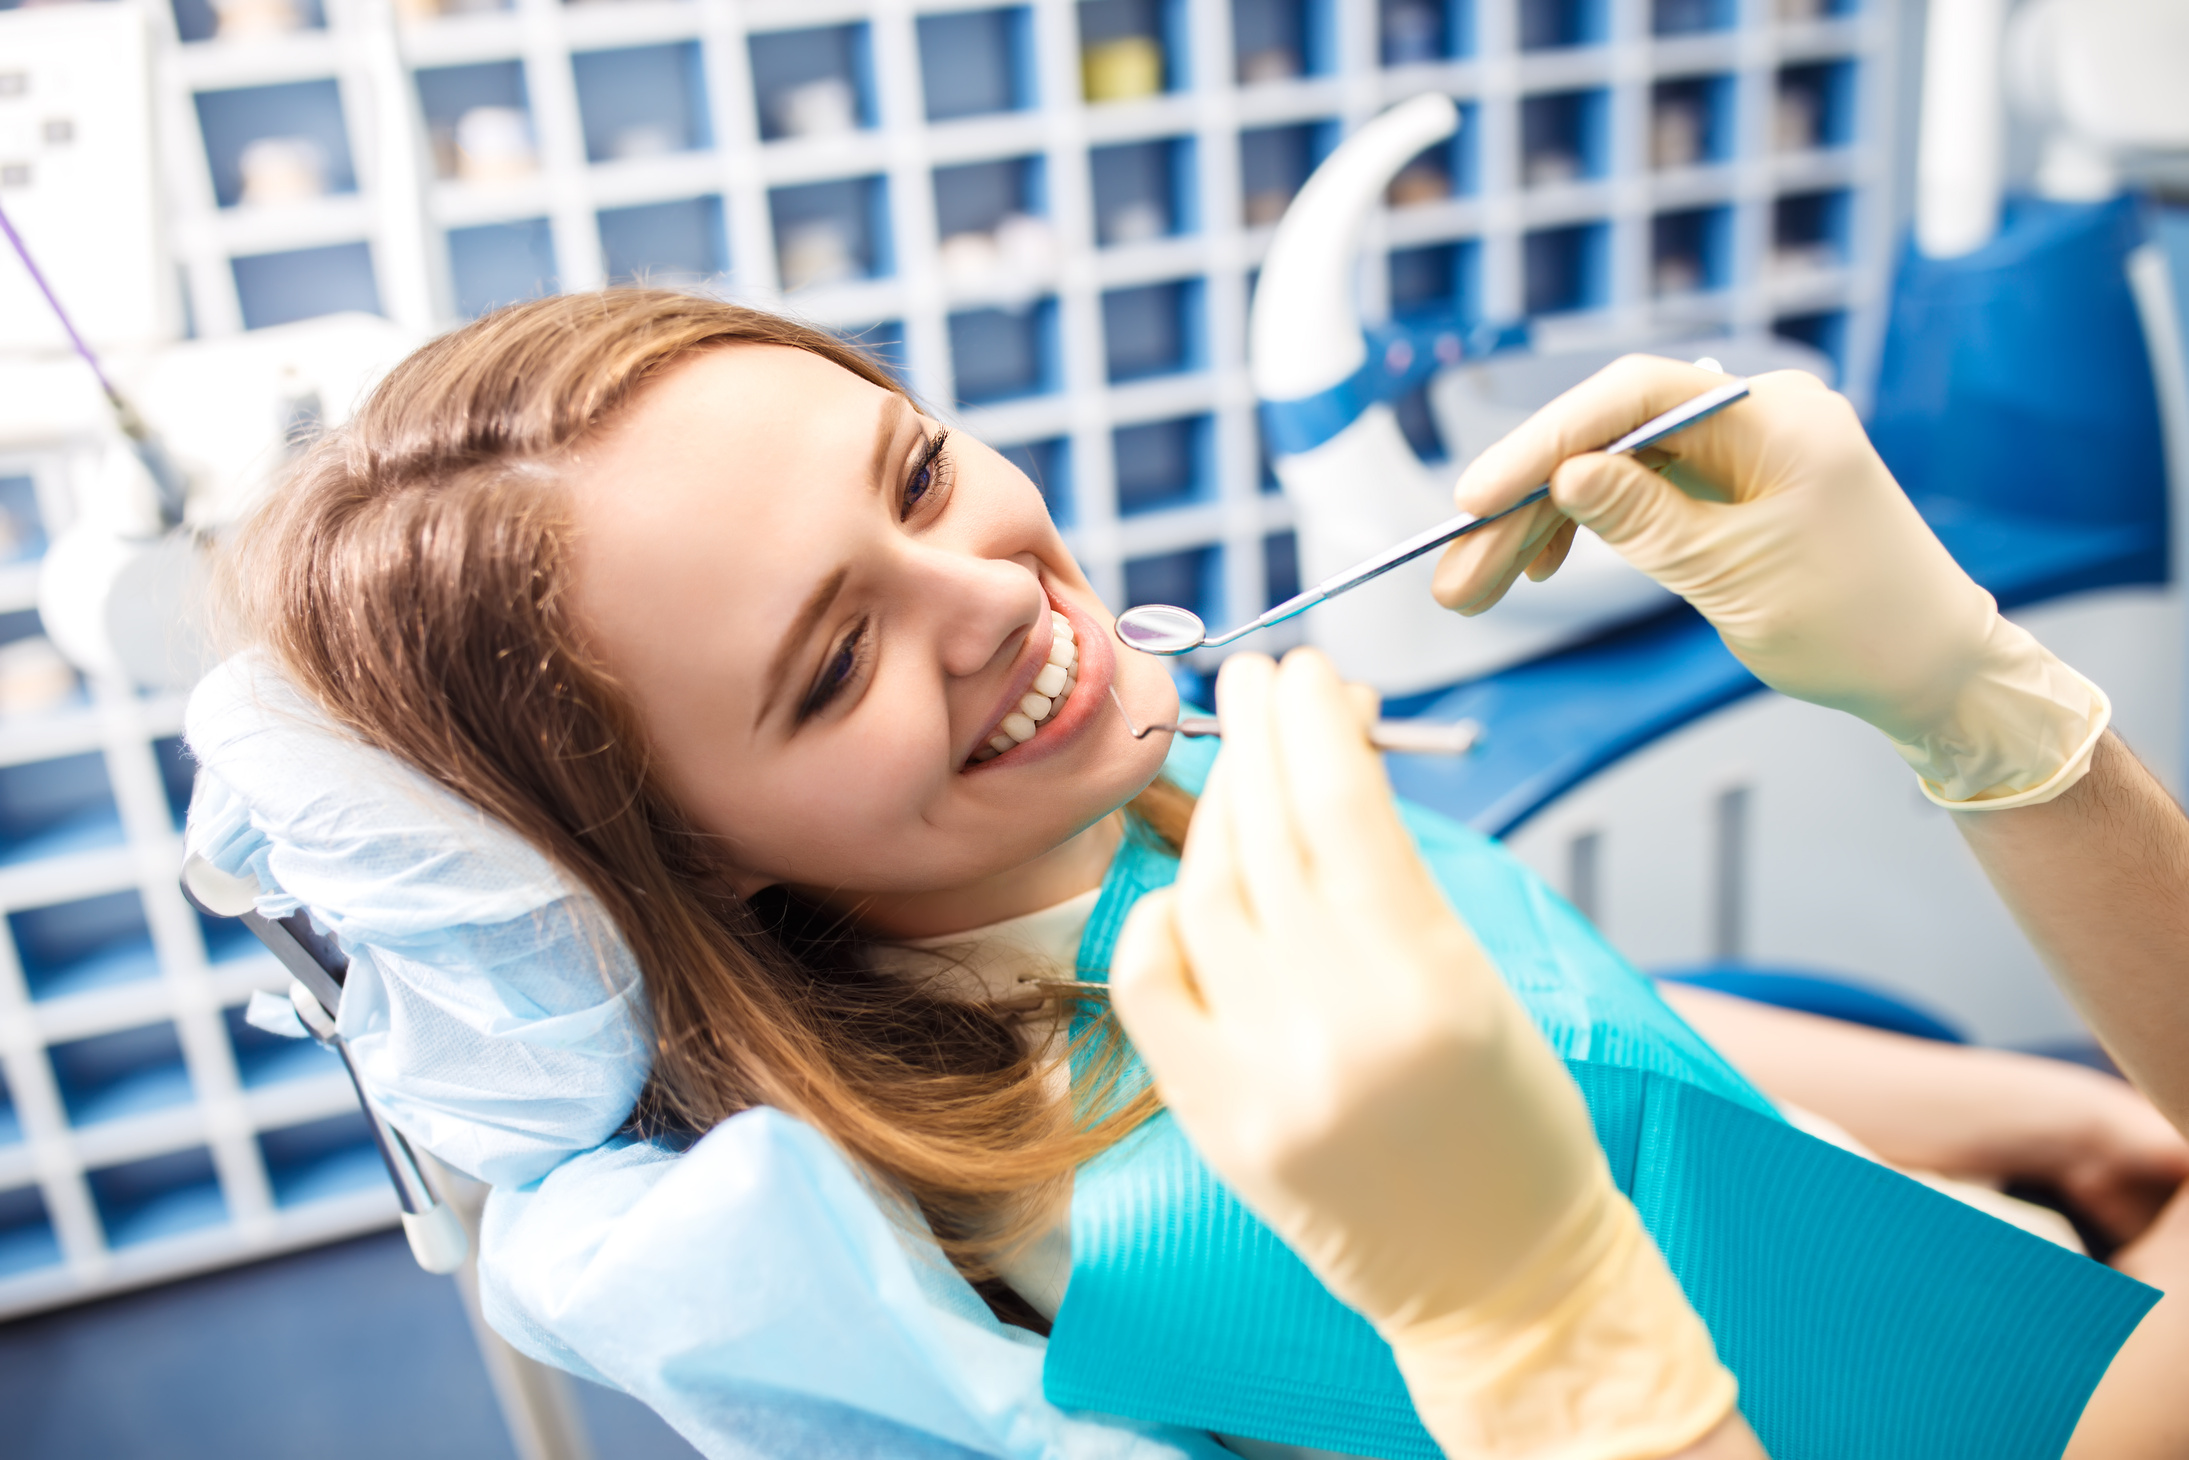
1630, 169
145, 1131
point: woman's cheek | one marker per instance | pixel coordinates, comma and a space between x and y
841, 814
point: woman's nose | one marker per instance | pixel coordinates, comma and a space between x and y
980, 608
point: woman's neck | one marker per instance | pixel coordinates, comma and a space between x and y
1066, 871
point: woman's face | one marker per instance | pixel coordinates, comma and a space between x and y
823, 619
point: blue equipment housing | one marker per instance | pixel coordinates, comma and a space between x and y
1401, 355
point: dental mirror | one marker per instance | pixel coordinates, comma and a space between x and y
1168, 630
1161, 628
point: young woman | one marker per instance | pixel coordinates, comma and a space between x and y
773, 668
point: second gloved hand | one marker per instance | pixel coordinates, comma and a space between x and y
1343, 1053
1777, 520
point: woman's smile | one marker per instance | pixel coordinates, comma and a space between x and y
1075, 661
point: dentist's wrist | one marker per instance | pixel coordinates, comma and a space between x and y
2020, 730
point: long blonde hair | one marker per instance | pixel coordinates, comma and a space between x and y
410, 578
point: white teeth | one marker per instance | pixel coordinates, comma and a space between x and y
1050, 688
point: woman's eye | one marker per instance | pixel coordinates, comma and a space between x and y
929, 472
842, 667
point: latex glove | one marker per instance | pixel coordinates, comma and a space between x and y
1777, 520
1344, 1054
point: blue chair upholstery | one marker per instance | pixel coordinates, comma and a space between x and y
1830, 995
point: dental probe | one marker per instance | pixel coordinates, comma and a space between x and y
1405, 737
1162, 628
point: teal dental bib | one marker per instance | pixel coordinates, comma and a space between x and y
1864, 1314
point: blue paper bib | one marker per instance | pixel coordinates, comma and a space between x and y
1864, 1314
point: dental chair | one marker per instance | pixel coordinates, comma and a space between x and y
440, 1207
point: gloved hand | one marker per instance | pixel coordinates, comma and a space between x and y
1777, 520
1344, 1054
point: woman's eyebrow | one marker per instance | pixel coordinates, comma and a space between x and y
801, 629
885, 439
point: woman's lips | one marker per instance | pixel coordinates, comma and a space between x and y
1051, 688
1032, 657
1096, 668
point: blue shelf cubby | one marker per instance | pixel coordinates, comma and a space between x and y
1143, 190
305, 283
227, 942
1566, 269
1280, 567
832, 232
1816, 106
642, 101
1154, 329
1823, 330
1003, 354
91, 943
1692, 17
977, 62
1549, 25
677, 242
492, 264
1565, 136
812, 83
128, 1072
1048, 465
27, 1240
276, 144
160, 1196
478, 121
272, 1059
1191, 578
1164, 463
52, 807
323, 1158
1811, 230
1277, 40
1274, 162
178, 774
1691, 121
1437, 278
1691, 251
201, 20
974, 197
22, 525
1423, 32
1130, 49
35, 679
